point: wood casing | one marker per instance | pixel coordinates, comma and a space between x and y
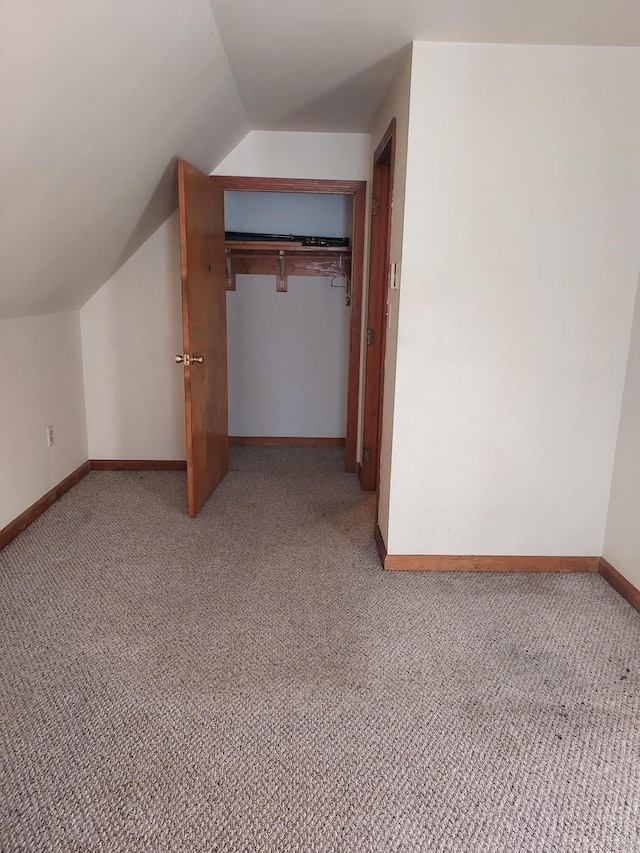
356, 189
379, 258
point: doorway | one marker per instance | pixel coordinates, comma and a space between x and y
377, 307
288, 337
204, 251
356, 190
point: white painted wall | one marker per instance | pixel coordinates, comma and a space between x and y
41, 382
135, 406
396, 106
622, 538
131, 331
287, 358
520, 264
325, 156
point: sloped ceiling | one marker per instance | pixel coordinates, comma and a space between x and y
98, 98
326, 64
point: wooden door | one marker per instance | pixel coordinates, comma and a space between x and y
204, 325
381, 209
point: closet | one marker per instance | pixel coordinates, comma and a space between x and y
288, 311
285, 368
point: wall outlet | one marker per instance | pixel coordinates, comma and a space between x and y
49, 436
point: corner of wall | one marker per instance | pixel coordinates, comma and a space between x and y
622, 538
131, 329
396, 105
42, 386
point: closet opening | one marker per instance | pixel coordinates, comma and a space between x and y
286, 332
293, 267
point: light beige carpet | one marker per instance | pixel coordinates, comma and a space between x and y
253, 681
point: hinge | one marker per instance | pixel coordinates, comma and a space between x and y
370, 336
375, 206
366, 454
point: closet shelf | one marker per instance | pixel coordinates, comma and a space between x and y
284, 259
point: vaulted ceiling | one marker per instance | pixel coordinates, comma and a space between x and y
98, 98
324, 64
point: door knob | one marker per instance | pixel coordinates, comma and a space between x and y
197, 359
186, 359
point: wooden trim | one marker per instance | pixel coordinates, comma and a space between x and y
312, 186
284, 441
355, 324
358, 190
29, 515
382, 548
621, 585
327, 264
377, 298
239, 248
387, 136
483, 563
138, 465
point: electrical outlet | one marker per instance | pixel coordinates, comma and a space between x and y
49, 436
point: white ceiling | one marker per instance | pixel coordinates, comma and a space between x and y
310, 65
97, 100
99, 97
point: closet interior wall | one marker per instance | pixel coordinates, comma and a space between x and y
288, 352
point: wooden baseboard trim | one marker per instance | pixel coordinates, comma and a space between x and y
382, 548
621, 585
463, 563
29, 515
138, 465
284, 441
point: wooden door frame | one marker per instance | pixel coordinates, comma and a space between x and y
356, 189
377, 298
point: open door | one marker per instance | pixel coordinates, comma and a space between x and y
204, 325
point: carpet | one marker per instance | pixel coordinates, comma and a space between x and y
251, 680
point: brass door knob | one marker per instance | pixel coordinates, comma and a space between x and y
187, 359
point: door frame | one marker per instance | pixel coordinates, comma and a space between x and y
377, 307
356, 189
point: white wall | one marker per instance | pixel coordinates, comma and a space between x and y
287, 357
135, 406
324, 156
396, 106
41, 382
131, 331
622, 538
520, 263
